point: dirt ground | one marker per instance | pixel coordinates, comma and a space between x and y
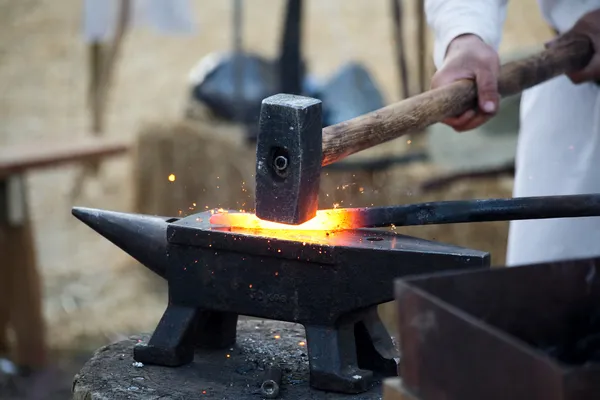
43, 80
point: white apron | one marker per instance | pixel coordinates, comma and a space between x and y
559, 141
558, 154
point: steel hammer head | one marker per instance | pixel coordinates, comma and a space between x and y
288, 159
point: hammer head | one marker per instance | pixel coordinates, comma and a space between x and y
288, 159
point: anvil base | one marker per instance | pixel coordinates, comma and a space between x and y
235, 372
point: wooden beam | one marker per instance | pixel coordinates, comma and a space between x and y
17, 159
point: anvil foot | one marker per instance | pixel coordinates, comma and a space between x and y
333, 362
374, 345
171, 344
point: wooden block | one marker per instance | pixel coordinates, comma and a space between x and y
393, 390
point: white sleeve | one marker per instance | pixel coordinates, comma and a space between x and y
451, 18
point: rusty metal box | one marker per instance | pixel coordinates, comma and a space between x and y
530, 332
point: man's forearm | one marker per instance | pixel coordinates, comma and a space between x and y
451, 18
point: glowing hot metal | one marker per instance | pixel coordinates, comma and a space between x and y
325, 220
440, 212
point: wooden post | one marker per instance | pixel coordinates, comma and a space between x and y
21, 299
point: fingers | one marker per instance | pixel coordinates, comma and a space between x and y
486, 77
590, 73
475, 122
487, 87
552, 42
461, 119
474, 60
467, 121
589, 26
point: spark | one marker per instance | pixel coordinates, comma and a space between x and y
228, 355
277, 337
303, 343
172, 178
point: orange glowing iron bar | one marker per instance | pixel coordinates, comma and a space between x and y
441, 212
325, 220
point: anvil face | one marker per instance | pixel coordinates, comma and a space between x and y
314, 279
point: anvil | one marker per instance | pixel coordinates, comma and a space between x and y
330, 282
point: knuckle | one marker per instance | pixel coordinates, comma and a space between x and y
436, 80
488, 58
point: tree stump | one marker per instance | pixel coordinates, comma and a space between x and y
234, 373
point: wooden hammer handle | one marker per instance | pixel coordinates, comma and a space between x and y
572, 52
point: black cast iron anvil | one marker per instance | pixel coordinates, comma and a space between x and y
329, 282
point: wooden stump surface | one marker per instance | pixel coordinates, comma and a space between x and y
230, 374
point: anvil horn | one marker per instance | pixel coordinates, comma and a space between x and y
143, 237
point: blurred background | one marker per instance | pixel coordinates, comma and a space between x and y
150, 106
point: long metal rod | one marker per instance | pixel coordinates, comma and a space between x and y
463, 211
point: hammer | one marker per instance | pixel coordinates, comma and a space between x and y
292, 146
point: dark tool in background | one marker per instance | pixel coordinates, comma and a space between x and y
234, 88
289, 165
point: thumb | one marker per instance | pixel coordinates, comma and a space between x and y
552, 42
487, 89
